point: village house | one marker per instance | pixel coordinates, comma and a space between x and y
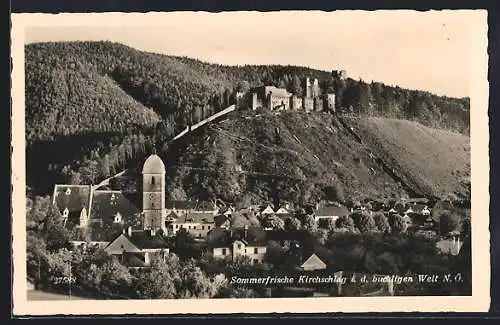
265, 210
180, 207
329, 212
313, 263
234, 242
139, 248
284, 211
198, 224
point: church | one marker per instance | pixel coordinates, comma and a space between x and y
111, 219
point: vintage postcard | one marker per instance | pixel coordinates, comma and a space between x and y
250, 162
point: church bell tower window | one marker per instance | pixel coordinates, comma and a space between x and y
153, 180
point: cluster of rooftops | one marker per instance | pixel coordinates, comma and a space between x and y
115, 220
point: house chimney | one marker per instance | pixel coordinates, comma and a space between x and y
129, 231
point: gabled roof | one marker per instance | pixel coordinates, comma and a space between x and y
315, 261
73, 197
105, 205
218, 237
108, 231
144, 240
331, 210
180, 205
196, 217
282, 210
172, 215
266, 207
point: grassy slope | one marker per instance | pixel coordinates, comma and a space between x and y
327, 154
436, 162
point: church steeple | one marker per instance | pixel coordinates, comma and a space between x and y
153, 193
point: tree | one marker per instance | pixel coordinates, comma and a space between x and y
242, 86
398, 224
382, 222
365, 223
296, 86
239, 292
158, 282
252, 218
54, 233
292, 224
115, 278
105, 166
448, 222
309, 223
346, 222
238, 220
183, 244
36, 255
75, 178
274, 222
195, 284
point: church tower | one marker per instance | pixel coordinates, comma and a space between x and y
153, 193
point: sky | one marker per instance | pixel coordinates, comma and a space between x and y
416, 50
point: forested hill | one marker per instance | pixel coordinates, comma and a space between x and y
91, 106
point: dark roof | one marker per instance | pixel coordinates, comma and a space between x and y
73, 197
105, 205
218, 237
180, 205
172, 215
73, 219
195, 217
107, 231
144, 239
220, 219
331, 210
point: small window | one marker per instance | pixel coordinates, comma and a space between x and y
239, 246
255, 261
202, 227
153, 180
255, 250
223, 251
